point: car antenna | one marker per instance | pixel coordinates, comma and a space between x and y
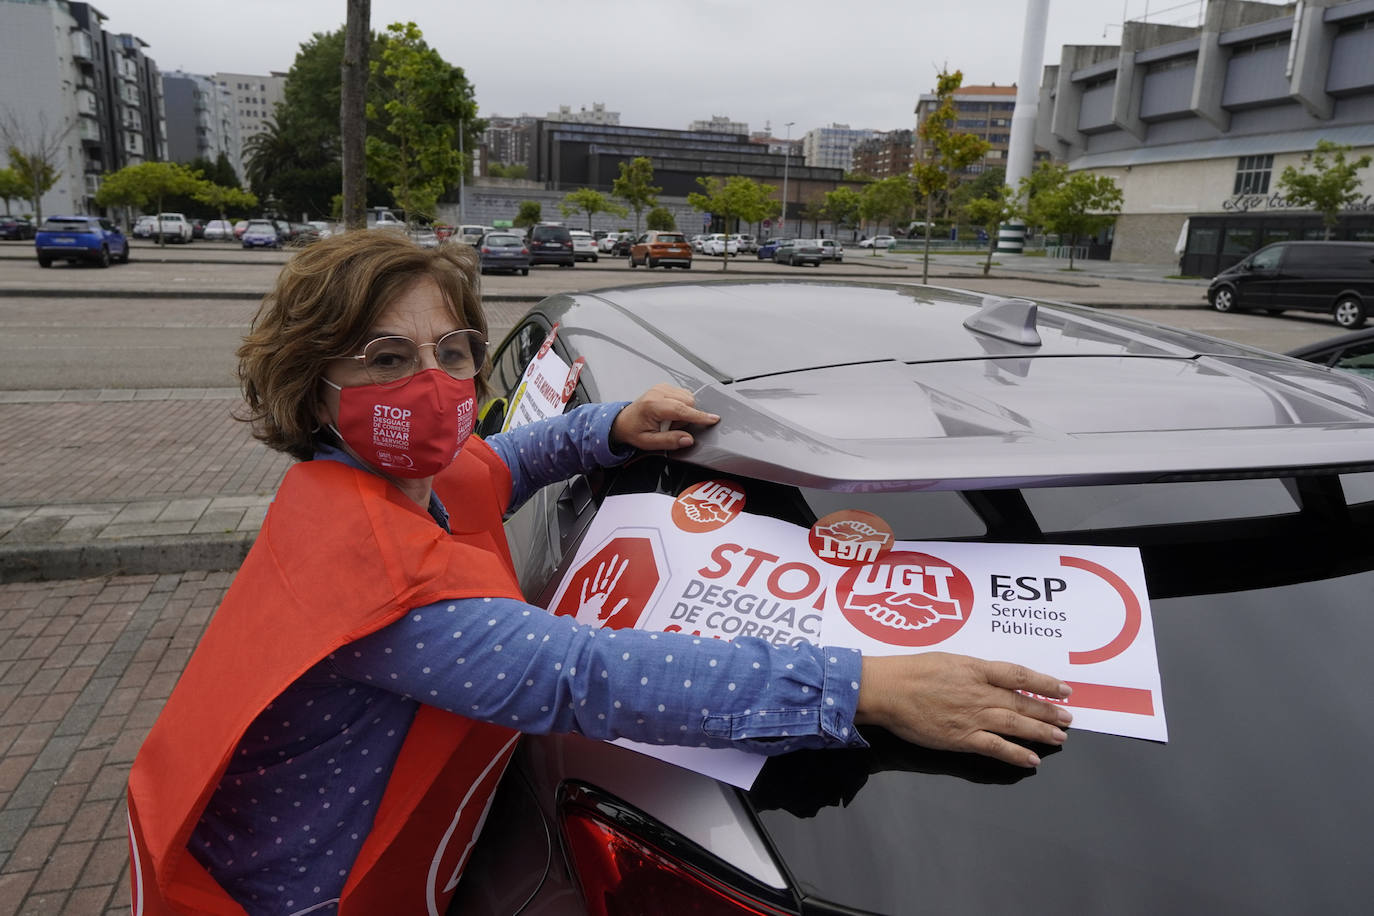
1012, 320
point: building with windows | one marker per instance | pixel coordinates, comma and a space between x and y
884, 155
720, 124
202, 119
1197, 124
833, 147
508, 140
89, 100
596, 115
255, 98
984, 111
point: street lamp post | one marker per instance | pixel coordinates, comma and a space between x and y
786, 158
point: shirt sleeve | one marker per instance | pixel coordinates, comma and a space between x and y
509, 663
552, 450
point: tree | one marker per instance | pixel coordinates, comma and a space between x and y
590, 202
947, 154
884, 201
989, 213
734, 198
842, 207
501, 170
12, 187
529, 214
222, 199
426, 101
635, 186
660, 218
147, 183
33, 151
353, 73
1078, 204
1330, 185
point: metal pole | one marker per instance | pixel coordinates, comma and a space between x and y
786, 158
462, 195
1011, 237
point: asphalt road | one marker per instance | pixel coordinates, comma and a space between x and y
83, 327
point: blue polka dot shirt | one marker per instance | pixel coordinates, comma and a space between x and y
289, 816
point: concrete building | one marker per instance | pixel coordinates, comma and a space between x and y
833, 147
90, 99
597, 115
885, 155
255, 99
984, 111
1197, 124
720, 124
202, 119
508, 140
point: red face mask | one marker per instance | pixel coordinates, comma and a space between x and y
413, 431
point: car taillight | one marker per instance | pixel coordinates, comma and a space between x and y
620, 872
524, 251
486, 250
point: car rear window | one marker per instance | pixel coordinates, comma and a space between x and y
503, 241
669, 237
58, 224
545, 233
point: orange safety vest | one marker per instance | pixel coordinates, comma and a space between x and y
304, 590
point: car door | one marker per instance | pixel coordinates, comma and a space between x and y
1256, 281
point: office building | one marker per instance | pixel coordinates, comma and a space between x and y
984, 111
833, 147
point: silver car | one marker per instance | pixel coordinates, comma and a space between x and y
1244, 479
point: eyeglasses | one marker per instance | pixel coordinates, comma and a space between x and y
393, 361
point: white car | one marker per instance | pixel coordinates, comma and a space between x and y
606, 244
720, 244
175, 227
747, 243
219, 230
697, 241
831, 250
584, 246
878, 241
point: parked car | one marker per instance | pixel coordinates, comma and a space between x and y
261, 233
145, 227
584, 246
747, 243
799, 252
80, 238
1254, 526
16, 228
197, 228
174, 227
325, 230
719, 244
622, 246
1336, 278
1353, 352
657, 248
218, 230
878, 241
697, 241
606, 244
472, 234
503, 251
551, 244
769, 249
831, 250
240, 227
302, 234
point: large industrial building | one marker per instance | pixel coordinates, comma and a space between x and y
1197, 124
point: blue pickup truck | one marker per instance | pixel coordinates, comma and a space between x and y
80, 238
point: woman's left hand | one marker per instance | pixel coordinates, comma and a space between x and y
654, 421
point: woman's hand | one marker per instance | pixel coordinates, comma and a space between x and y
655, 420
957, 703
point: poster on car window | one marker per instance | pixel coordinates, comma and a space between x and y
699, 564
545, 387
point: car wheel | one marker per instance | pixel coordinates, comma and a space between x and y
564, 265
650, 262
44, 262
104, 259
124, 258
1349, 313
595, 259
524, 271
1224, 299
686, 266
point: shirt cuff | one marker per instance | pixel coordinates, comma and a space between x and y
832, 718
608, 455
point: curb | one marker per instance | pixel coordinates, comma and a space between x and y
132, 557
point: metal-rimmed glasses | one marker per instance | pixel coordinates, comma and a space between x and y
393, 361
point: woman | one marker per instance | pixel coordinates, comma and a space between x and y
336, 736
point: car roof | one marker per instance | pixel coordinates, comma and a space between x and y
872, 386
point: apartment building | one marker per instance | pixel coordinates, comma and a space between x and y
984, 111
89, 99
202, 119
720, 124
885, 155
255, 97
833, 147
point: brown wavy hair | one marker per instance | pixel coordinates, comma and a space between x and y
325, 302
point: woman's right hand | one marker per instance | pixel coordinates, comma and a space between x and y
957, 703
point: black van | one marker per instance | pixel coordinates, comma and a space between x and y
1335, 277
551, 244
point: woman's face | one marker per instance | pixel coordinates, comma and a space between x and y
419, 313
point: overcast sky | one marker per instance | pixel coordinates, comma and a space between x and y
660, 63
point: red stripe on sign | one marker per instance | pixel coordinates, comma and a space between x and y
1113, 699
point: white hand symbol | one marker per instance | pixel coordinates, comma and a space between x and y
593, 608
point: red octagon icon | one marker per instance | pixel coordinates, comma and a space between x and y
614, 586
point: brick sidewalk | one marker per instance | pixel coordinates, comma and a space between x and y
85, 667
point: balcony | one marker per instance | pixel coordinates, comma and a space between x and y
81, 47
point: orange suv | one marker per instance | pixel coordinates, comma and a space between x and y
656, 248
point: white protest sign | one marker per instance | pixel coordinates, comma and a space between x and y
545, 387
699, 564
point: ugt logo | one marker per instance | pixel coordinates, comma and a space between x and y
906, 599
707, 506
